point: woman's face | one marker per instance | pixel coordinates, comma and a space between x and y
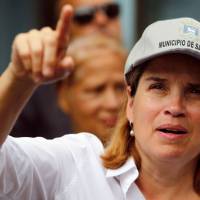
96, 95
165, 110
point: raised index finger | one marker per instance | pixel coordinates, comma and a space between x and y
63, 25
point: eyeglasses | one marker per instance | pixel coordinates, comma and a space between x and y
85, 15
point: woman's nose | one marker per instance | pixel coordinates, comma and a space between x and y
112, 100
101, 19
175, 106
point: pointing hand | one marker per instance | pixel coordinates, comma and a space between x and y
40, 55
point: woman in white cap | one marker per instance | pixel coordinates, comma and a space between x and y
154, 153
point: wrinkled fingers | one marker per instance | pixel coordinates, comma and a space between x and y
50, 59
36, 48
21, 48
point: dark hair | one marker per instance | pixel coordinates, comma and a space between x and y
134, 75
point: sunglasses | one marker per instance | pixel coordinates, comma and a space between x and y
85, 15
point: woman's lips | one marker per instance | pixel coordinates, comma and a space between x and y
171, 131
110, 121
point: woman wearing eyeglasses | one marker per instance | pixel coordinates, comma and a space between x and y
154, 153
94, 16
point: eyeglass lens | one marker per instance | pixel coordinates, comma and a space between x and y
86, 14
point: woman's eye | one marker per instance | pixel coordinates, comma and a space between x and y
157, 86
195, 91
95, 90
120, 87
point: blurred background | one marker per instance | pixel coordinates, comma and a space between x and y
22, 15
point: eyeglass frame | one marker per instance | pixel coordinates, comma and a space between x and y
92, 10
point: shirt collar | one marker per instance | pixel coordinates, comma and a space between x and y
126, 174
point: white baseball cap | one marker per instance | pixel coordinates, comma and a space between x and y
181, 35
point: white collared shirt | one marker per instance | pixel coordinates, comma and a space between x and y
66, 168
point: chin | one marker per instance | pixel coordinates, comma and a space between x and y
171, 154
105, 137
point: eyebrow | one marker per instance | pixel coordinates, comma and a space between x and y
194, 85
157, 79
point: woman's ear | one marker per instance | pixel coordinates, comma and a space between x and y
62, 97
129, 106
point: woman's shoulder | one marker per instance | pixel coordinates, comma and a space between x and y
82, 141
69, 148
71, 141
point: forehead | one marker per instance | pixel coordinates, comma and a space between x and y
99, 58
78, 3
113, 64
177, 61
174, 62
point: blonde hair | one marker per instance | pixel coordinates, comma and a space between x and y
85, 48
122, 144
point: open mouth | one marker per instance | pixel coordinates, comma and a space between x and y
172, 131
111, 122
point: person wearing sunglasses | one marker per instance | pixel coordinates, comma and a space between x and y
94, 16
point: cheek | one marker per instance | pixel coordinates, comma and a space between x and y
115, 23
77, 30
195, 117
145, 113
90, 109
87, 107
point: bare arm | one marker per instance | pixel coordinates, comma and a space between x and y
38, 57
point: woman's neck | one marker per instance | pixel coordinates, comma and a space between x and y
167, 181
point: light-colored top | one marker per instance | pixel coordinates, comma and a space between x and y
65, 168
